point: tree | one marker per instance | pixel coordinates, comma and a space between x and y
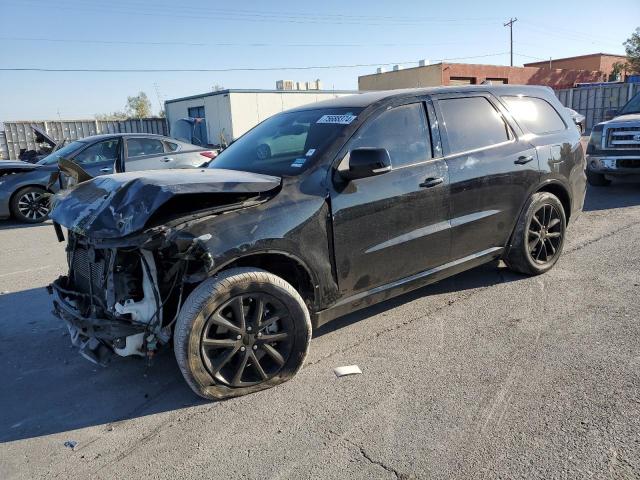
632, 47
111, 116
139, 106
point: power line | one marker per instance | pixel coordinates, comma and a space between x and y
222, 70
224, 44
222, 15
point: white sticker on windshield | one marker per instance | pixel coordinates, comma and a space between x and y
337, 119
310, 152
298, 162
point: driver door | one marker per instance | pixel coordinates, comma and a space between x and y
99, 158
391, 226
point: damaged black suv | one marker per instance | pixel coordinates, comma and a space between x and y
314, 213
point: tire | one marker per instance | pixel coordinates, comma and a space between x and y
30, 205
543, 218
212, 346
597, 179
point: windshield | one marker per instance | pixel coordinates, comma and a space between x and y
286, 144
65, 151
632, 106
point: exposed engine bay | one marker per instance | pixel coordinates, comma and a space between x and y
124, 300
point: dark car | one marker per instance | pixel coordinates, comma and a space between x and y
314, 213
614, 146
25, 189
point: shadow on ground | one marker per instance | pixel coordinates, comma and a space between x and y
48, 387
483, 276
619, 194
12, 224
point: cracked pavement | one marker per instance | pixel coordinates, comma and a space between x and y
487, 374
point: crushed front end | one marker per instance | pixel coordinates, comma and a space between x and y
132, 259
124, 298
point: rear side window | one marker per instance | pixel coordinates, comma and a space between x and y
472, 123
403, 131
535, 114
137, 147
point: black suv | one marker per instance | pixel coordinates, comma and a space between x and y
314, 213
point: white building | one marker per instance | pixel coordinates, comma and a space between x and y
230, 113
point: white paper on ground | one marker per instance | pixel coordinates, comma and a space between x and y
347, 370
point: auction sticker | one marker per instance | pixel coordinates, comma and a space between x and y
345, 119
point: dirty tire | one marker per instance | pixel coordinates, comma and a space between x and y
30, 205
519, 257
597, 179
218, 297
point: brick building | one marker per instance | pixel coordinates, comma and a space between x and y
463, 73
599, 62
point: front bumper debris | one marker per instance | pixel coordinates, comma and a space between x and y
96, 338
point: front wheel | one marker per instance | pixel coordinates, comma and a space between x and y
30, 205
538, 238
239, 332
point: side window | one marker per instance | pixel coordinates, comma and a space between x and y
99, 152
171, 147
403, 131
472, 123
535, 114
136, 147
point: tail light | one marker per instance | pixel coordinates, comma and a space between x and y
209, 154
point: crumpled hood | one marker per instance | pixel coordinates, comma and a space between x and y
112, 206
17, 166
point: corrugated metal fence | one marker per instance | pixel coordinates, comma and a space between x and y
593, 102
19, 135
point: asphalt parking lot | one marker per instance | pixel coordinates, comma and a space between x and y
487, 374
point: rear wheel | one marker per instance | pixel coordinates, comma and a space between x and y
241, 331
538, 238
30, 205
597, 179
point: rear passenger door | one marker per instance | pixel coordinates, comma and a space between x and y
492, 169
146, 153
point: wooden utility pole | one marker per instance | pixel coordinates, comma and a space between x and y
510, 25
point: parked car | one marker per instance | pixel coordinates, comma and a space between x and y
614, 146
44, 146
578, 119
314, 213
24, 190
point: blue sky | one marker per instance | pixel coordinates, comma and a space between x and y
204, 34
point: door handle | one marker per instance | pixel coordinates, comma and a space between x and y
523, 159
167, 159
431, 182
106, 169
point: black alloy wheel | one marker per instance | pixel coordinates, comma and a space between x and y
538, 237
247, 340
546, 232
241, 331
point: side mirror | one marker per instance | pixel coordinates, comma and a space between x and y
367, 162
